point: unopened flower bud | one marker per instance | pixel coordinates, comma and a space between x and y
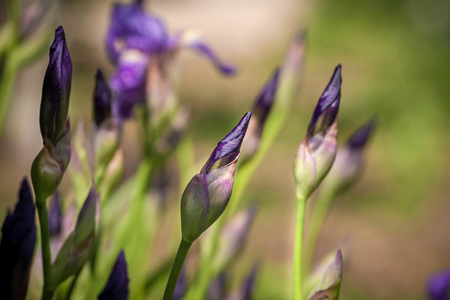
102, 99
207, 194
17, 246
330, 284
349, 163
317, 151
260, 110
116, 287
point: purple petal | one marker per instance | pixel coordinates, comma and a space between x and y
17, 246
439, 286
56, 89
117, 286
327, 106
228, 148
128, 83
205, 50
266, 98
102, 99
55, 216
132, 28
359, 139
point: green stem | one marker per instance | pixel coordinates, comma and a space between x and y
298, 248
47, 292
176, 269
73, 284
318, 216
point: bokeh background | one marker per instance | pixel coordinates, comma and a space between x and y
396, 66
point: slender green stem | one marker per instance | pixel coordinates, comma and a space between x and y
176, 269
47, 293
298, 248
318, 216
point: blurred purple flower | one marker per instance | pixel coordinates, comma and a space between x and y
439, 286
117, 286
17, 246
181, 287
207, 194
248, 285
132, 29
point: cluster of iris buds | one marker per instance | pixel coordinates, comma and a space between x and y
96, 241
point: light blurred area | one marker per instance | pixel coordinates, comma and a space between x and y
396, 66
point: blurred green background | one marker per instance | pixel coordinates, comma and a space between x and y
396, 66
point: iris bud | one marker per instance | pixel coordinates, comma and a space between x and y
117, 286
102, 99
330, 284
17, 246
207, 194
317, 151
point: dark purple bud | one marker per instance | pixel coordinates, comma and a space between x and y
327, 108
128, 83
117, 286
359, 139
55, 216
248, 285
207, 194
218, 288
439, 286
102, 99
56, 90
17, 246
228, 148
132, 28
181, 287
205, 50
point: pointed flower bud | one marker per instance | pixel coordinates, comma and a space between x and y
439, 286
330, 284
55, 216
233, 236
349, 163
261, 110
207, 194
17, 246
78, 246
102, 99
56, 90
117, 286
317, 151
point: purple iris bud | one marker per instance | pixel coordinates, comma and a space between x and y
261, 110
207, 194
102, 99
117, 286
55, 216
181, 287
317, 151
205, 50
132, 28
56, 90
439, 286
330, 284
17, 246
128, 82
349, 163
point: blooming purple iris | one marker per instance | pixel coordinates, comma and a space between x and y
439, 286
136, 38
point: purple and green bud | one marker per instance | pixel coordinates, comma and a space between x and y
233, 237
117, 286
102, 99
349, 162
207, 194
17, 246
50, 164
78, 247
55, 216
330, 284
260, 110
439, 286
317, 151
